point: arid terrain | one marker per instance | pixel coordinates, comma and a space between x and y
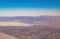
34, 32
40, 27
6, 36
29, 21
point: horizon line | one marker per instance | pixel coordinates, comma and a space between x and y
30, 16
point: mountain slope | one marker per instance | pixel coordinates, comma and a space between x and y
5, 36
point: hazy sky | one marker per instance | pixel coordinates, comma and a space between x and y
29, 7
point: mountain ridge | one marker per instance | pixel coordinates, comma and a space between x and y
38, 20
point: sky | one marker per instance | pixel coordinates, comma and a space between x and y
29, 7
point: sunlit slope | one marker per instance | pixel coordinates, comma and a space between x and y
5, 36
14, 24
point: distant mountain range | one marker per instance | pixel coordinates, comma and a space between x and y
38, 20
28, 27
